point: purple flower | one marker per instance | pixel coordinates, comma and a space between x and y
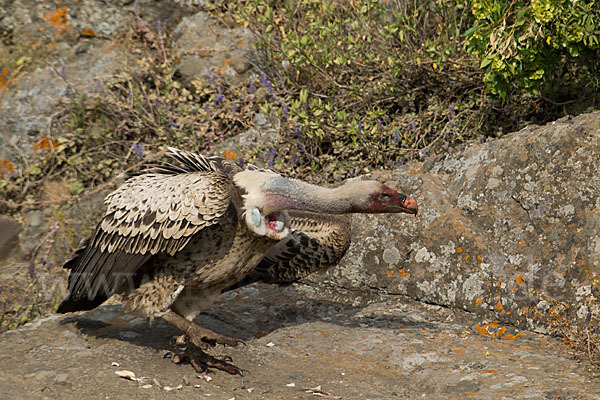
219, 98
271, 159
172, 123
400, 161
234, 107
63, 71
206, 107
302, 149
139, 150
451, 109
266, 83
156, 102
360, 126
396, 135
252, 88
211, 76
31, 270
286, 111
298, 130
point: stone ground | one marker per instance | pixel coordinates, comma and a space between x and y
296, 341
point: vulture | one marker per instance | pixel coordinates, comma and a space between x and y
174, 237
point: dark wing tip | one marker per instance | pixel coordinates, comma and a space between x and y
71, 305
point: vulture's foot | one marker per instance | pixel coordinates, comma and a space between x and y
200, 360
190, 346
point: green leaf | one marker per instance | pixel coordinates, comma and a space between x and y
486, 61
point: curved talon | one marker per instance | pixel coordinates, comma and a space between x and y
201, 338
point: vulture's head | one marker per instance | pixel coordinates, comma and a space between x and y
375, 197
268, 196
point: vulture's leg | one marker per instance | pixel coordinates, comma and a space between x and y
201, 338
198, 335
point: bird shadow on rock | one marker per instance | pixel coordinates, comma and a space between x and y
247, 313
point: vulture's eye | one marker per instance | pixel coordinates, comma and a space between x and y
385, 197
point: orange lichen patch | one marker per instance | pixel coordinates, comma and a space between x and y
479, 258
508, 313
5, 71
520, 280
416, 170
45, 143
402, 327
458, 351
468, 250
459, 250
88, 32
515, 336
228, 154
403, 273
494, 330
6, 166
389, 274
497, 298
58, 19
3, 84
34, 44
521, 243
478, 301
490, 371
498, 306
323, 333
224, 66
482, 330
499, 283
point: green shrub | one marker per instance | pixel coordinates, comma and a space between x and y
365, 84
534, 45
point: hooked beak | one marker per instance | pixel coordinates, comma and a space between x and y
410, 206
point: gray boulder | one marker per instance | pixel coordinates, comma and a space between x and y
506, 228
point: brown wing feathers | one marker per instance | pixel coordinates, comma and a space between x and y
149, 214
